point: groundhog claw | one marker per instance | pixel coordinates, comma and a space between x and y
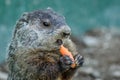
79, 60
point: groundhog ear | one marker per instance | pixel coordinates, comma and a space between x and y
50, 9
23, 21
24, 17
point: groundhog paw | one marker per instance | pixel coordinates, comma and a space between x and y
65, 62
79, 60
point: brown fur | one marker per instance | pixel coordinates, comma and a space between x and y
33, 53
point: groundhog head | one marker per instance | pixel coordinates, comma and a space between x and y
43, 30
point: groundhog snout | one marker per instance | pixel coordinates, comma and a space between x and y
64, 34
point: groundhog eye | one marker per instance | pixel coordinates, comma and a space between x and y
46, 23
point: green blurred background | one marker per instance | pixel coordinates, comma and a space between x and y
81, 15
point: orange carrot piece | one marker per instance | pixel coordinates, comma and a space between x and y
64, 52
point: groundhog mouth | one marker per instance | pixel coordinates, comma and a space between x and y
59, 41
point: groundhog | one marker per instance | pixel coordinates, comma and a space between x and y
33, 53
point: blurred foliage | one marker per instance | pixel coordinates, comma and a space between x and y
81, 15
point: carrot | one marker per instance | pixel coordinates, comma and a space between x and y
64, 51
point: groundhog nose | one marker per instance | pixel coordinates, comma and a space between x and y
64, 31
66, 34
